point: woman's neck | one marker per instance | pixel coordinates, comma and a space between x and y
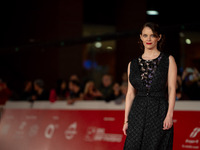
151, 53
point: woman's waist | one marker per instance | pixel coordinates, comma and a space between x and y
151, 93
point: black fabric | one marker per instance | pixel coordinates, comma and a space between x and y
149, 109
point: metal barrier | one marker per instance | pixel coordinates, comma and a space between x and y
91, 105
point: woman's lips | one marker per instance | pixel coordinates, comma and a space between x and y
148, 43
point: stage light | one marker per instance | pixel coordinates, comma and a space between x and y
98, 44
181, 34
152, 12
188, 41
109, 47
87, 64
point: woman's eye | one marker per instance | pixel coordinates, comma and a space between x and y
144, 35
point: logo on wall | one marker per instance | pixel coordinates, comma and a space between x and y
71, 131
22, 125
19, 133
5, 129
195, 132
90, 135
49, 131
33, 130
193, 141
98, 134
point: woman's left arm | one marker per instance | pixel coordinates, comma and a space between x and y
172, 78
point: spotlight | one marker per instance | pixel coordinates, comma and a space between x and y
109, 47
98, 44
188, 41
152, 12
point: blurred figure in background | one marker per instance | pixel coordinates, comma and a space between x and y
124, 78
91, 92
75, 93
5, 92
179, 87
106, 87
60, 93
116, 91
123, 88
74, 77
28, 91
191, 83
40, 92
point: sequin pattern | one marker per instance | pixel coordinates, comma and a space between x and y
147, 69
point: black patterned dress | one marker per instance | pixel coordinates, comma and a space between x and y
150, 105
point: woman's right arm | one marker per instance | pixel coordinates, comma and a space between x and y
128, 101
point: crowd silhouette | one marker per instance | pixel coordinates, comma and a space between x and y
188, 87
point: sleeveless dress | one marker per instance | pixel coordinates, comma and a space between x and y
150, 105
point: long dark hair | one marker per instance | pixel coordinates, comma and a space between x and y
156, 31
59, 91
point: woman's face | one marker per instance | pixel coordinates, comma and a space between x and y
149, 39
91, 86
116, 87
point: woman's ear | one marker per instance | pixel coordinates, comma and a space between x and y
140, 36
160, 36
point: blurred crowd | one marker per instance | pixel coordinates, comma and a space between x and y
188, 87
72, 91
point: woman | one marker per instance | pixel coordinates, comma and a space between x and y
116, 91
90, 91
28, 91
148, 123
60, 92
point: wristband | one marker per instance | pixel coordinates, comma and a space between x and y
125, 122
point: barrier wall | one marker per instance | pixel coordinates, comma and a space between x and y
91, 125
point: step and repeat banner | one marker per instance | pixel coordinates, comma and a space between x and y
61, 130
39, 129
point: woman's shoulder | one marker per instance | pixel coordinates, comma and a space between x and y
132, 61
135, 58
168, 55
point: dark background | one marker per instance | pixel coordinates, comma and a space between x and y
44, 39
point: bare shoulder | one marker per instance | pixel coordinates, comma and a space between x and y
171, 58
172, 64
129, 64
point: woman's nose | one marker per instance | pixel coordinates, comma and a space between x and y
149, 38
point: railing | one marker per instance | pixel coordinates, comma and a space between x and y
91, 105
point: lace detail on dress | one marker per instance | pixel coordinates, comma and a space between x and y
147, 69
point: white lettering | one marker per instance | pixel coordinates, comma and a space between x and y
190, 146
71, 131
191, 141
49, 131
109, 119
98, 134
195, 132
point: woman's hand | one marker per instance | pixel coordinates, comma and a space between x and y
168, 122
125, 127
70, 101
